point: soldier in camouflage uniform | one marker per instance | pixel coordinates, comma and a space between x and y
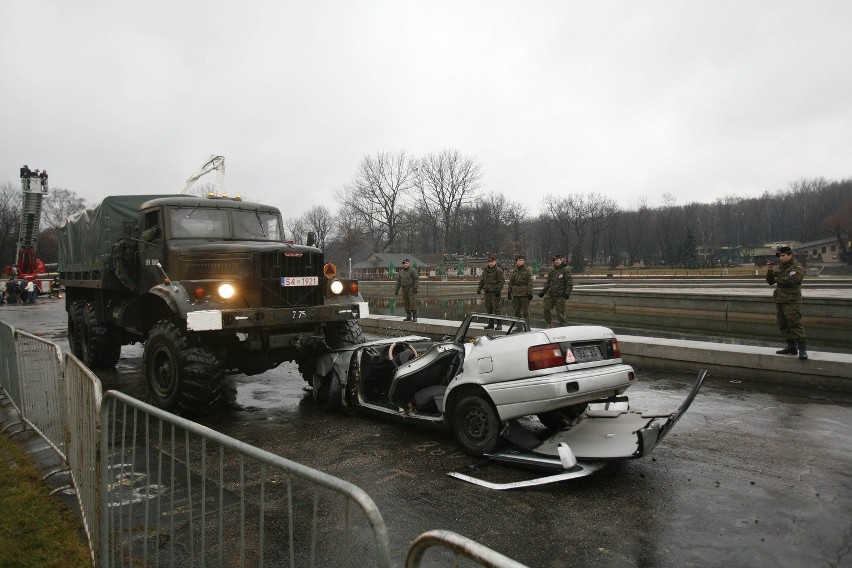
492, 281
556, 290
787, 277
520, 288
408, 279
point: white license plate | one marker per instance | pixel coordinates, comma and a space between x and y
591, 353
299, 280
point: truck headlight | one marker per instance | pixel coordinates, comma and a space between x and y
336, 287
226, 291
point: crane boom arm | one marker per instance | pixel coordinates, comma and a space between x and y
214, 163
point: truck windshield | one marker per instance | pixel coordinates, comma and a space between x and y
199, 223
203, 223
256, 226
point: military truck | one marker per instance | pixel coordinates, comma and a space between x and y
208, 285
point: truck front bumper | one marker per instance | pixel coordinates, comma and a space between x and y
244, 319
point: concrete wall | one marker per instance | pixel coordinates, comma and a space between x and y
746, 312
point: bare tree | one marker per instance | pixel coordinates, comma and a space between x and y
636, 228
568, 216
377, 194
58, 205
601, 212
10, 218
839, 225
447, 182
319, 220
296, 227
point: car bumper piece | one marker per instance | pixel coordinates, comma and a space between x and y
599, 437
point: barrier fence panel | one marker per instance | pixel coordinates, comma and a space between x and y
179, 494
83, 404
9, 378
41, 383
460, 547
158, 490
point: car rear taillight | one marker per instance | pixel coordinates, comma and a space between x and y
615, 349
545, 356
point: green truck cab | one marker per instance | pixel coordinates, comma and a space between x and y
208, 285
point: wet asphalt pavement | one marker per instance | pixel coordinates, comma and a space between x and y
746, 478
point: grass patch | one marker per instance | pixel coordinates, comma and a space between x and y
35, 528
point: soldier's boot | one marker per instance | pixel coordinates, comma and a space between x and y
499, 325
803, 350
490, 324
790, 349
414, 315
407, 315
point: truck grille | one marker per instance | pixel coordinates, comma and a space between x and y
274, 265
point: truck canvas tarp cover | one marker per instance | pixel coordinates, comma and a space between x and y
86, 239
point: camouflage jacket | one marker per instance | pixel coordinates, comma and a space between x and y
787, 279
407, 278
492, 280
520, 282
559, 283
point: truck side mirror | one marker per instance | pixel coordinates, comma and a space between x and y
312, 239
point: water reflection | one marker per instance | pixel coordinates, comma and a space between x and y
436, 308
455, 309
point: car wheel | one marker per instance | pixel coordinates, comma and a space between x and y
100, 342
476, 425
183, 376
562, 417
343, 334
75, 327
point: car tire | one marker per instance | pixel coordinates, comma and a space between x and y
343, 334
337, 334
183, 375
562, 417
75, 327
476, 425
100, 342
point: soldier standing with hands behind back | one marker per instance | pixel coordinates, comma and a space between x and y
788, 300
408, 279
492, 281
520, 288
556, 290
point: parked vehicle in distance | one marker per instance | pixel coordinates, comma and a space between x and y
476, 385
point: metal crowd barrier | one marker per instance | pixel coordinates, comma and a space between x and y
9, 382
83, 403
155, 489
42, 393
460, 546
180, 494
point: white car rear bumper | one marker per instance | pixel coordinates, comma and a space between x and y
536, 395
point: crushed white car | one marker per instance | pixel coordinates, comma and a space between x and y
480, 381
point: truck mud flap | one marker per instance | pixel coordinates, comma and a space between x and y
600, 436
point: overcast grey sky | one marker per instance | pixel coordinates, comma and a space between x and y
628, 98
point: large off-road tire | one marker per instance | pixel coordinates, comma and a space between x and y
476, 425
75, 327
562, 417
343, 333
337, 334
183, 375
100, 342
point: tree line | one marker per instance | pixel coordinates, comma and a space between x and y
436, 205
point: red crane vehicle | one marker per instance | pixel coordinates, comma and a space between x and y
27, 265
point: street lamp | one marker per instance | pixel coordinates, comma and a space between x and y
350, 267
737, 216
